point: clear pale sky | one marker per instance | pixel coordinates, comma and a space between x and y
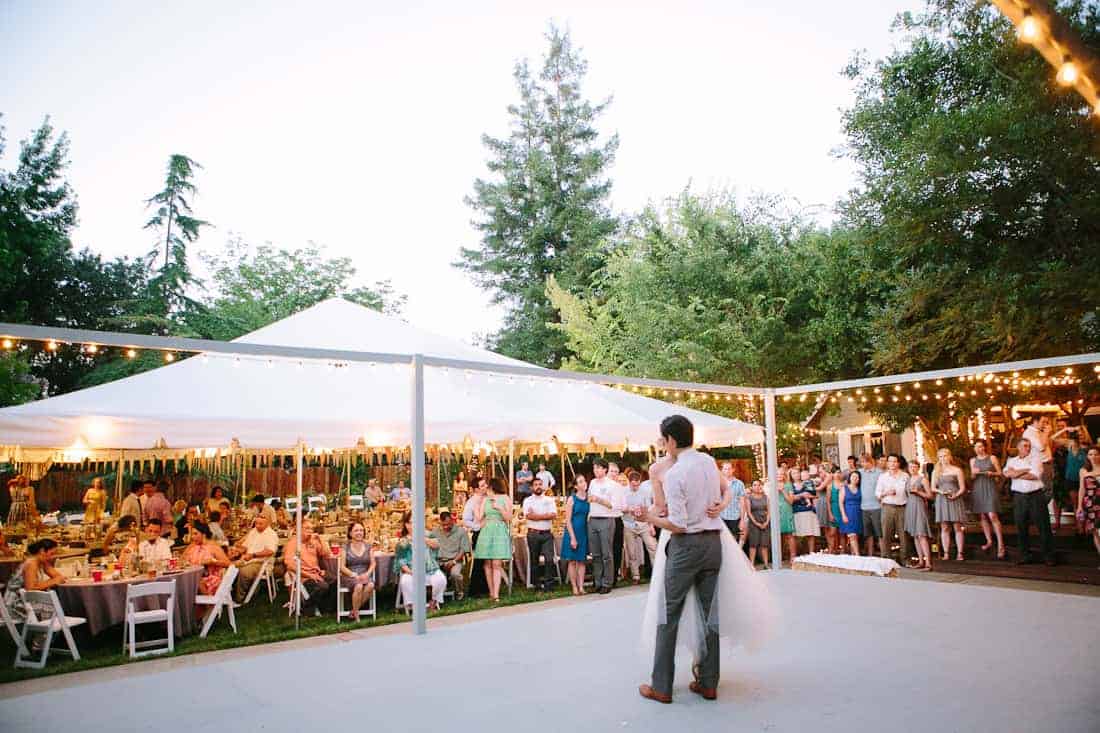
356, 125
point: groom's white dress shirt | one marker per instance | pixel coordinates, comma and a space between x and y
691, 485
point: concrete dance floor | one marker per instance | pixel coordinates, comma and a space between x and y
856, 654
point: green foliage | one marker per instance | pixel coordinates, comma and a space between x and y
980, 180
16, 383
543, 212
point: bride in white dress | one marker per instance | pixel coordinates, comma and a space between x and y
743, 607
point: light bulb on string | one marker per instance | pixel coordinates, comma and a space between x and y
91, 349
1067, 73
169, 357
1028, 30
8, 343
131, 353
1042, 372
51, 346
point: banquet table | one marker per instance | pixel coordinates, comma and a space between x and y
104, 603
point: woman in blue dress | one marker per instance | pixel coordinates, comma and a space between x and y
851, 517
574, 546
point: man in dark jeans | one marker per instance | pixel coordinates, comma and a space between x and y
539, 511
1029, 502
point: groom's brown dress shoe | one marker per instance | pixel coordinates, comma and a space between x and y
649, 693
707, 693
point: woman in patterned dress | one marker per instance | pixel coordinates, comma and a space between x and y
494, 542
985, 469
95, 501
202, 550
22, 501
1088, 495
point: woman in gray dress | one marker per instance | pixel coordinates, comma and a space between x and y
949, 483
916, 516
985, 469
759, 523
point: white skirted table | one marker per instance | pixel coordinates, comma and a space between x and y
821, 562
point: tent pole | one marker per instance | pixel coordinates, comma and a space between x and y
419, 499
298, 540
773, 475
118, 481
512, 499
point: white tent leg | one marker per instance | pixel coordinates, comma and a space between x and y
772, 458
420, 497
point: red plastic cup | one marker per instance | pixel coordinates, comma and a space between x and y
336, 550
97, 576
173, 564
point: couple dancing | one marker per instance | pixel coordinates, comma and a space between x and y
703, 589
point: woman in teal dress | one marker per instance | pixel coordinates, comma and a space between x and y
494, 542
574, 545
832, 531
786, 516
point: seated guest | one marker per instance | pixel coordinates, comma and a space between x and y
214, 501
153, 548
229, 525
314, 548
36, 573
183, 523
5, 548
122, 530
452, 551
179, 510
282, 518
373, 496
258, 506
400, 492
260, 543
216, 528
403, 563
203, 550
357, 572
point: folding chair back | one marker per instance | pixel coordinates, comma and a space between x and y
9, 623
222, 598
49, 623
165, 615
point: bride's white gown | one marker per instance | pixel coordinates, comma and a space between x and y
743, 607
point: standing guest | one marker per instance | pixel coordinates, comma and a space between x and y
916, 516
190, 515
851, 512
403, 562
1038, 435
617, 541
95, 501
202, 550
1075, 457
759, 521
453, 551
602, 494
869, 506
1088, 496
35, 573
214, 501
574, 546
984, 500
524, 477
786, 514
373, 494
494, 542
637, 530
22, 509
548, 480
216, 530
357, 572
734, 515
852, 466
156, 505
254, 548
314, 548
131, 504
805, 514
540, 511
473, 526
460, 489
835, 483
891, 491
1029, 502
949, 483
260, 506
822, 479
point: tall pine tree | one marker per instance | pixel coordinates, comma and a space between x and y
544, 209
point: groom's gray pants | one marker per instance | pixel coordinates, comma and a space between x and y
694, 560
601, 531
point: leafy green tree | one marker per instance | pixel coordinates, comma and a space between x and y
176, 228
979, 190
543, 211
17, 385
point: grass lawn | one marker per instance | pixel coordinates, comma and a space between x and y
259, 622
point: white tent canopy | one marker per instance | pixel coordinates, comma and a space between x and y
209, 401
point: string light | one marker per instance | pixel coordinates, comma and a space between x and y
1068, 74
130, 353
169, 357
51, 346
8, 343
91, 349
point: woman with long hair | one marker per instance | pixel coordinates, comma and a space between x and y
36, 573
574, 546
22, 509
835, 483
214, 501
786, 516
1088, 495
357, 572
985, 469
851, 515
949, 483
759, 521
203, 550
916, 516
403, 562
494, 542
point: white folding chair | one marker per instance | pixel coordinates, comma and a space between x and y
343, 612
297, 595
541, 558
40, 599
10, 624
135, 618
222, 598
355, 501
267, 576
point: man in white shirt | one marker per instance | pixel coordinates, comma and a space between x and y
260, 543
892, 491
693, 491
1038, 434
637, 531
548, 480
1029, 502
153, 547
540, 511
605, 507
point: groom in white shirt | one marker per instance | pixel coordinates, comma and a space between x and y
692, 486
